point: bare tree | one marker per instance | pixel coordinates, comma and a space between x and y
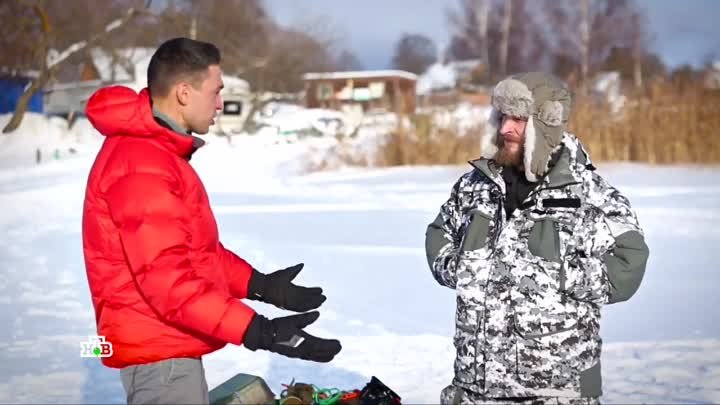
269, 56
627, 62
516, 40
20, 33
637, 56
290, 55
44, 36
240, 28
482, 8
505, 36
414, 53
604, 25
468, 25
48, 60
645, 63
324, 30
584, 44
347, 60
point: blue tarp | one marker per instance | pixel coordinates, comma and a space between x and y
10, 91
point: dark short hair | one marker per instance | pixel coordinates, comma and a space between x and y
179, 58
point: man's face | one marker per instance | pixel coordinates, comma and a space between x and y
512, 145
204, 101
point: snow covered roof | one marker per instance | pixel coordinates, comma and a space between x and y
606, 82
12, 72
443, 75
608, 86
123, 65
712, 76
360, 74
465, 64
437, 76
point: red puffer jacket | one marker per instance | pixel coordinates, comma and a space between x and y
161, 282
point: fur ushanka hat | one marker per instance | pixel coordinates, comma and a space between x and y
545, 101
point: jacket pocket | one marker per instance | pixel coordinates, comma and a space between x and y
535, 332
548, 360
476, 233
544, 240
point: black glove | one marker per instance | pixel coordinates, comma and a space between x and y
285, 336
277, 289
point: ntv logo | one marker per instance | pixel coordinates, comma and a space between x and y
96, 346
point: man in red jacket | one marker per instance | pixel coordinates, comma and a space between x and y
165, 290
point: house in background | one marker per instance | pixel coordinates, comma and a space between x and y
127, 67
452, 82
12, 86
386, 90
711, 76
607, 87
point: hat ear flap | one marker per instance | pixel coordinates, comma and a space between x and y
530, 143
489, 142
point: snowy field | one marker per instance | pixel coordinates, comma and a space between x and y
360, 233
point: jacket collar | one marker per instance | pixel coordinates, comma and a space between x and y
564, 166
165, 120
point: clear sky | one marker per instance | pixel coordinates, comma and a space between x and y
685, 30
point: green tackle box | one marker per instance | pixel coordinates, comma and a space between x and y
242, 389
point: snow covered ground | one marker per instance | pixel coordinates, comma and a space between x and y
360, 233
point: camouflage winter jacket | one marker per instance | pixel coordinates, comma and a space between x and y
530, 289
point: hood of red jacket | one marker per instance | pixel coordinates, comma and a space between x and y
120, 111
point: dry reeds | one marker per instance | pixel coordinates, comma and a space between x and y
425, 143
663, 126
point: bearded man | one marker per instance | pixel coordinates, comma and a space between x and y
534, 242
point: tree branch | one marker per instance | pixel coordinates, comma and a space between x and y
51, 65
80, 45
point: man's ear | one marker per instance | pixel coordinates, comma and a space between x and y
182, 93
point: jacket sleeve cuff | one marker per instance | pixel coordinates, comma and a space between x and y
256, 285
235, 323
237, 272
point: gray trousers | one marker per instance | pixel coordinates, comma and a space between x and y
173, 381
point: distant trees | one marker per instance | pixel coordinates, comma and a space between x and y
269, 56
347, 60
586, 31
572, 38
507, 36
625, 61
44, 36
414, 53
